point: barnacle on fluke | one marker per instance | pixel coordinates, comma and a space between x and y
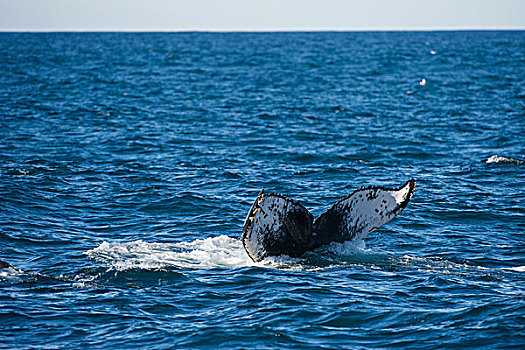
277, 225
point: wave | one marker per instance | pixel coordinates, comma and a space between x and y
221, 251
515, 268
141, 262
501, 159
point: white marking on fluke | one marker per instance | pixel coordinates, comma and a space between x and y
283, 226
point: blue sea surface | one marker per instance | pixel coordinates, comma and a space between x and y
128, 163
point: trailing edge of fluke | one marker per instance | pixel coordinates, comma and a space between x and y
277, 225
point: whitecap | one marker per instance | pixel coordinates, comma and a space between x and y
515, 268
221, 251
497, 159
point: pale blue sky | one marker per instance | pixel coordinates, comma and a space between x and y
166, 15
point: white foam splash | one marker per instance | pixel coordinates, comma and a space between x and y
221, 251
497, 159
516, 268
436, 264
348, 247
10, 273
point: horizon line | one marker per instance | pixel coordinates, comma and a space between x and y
255, 30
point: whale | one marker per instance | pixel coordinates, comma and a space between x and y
277, 225
5, 265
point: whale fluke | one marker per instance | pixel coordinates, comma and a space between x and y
277, 225
362, 212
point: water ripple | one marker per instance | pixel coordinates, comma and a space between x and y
129, 161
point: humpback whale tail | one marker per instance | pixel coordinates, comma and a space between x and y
277, 225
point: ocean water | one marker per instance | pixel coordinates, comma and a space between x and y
128, 163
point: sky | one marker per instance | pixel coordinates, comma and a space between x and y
259, 15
